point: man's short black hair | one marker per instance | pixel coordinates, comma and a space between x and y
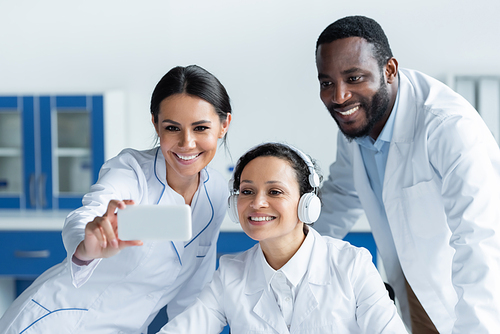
359, 26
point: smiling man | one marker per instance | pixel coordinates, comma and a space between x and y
420, 162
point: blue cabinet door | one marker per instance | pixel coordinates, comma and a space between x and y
54, 155
17, 152
72, 148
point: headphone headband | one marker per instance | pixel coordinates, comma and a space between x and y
313, 176
309, 204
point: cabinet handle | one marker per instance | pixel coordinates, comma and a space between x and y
32, 191
42, 184
42, 254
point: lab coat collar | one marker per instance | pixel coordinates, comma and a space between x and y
404, 124
317, 273
256, 281
295, 268
403, 133
306, 302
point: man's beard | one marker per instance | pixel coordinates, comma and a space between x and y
374, 110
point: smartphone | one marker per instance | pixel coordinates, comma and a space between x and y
155, 222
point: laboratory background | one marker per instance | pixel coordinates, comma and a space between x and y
76, 79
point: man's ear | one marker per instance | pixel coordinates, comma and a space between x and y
391, 70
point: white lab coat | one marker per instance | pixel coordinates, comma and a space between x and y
122, 294
341, 293
441, 194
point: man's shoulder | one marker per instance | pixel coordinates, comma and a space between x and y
430, 96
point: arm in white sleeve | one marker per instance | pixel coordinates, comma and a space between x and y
120, 178
206, 315
375, 311
467, 159
341, 207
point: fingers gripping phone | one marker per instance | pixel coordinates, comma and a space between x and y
155, 222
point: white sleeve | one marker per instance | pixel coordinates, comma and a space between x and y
467, 159
341, 207
119, 178
206, 315
375, 311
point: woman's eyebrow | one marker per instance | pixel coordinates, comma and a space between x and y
267, 182
194, 123
201, 122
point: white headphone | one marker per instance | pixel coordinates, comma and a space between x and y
309, 205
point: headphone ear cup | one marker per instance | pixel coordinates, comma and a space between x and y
232, 208
309, 208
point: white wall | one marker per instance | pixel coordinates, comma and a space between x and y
263, 51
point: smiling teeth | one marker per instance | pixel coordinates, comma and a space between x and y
261, 219
349, 112
189, 157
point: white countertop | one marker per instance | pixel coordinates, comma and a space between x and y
33, 220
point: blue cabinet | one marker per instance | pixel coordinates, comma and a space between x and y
27, 254
51, 150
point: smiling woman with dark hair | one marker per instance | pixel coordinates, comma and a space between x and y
293, 280
108, 286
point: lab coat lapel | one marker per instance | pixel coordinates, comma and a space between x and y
266, 307
399, 170
317, 275
402, 137
368, 199
305, 304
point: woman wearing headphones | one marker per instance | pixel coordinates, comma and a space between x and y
107, 286
293, 280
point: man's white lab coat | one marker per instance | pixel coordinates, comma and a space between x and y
441, 194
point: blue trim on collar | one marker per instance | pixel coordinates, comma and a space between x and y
156, 175
161, 195
211, 206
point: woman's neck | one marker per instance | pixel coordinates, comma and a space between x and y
184, 186
279, 251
